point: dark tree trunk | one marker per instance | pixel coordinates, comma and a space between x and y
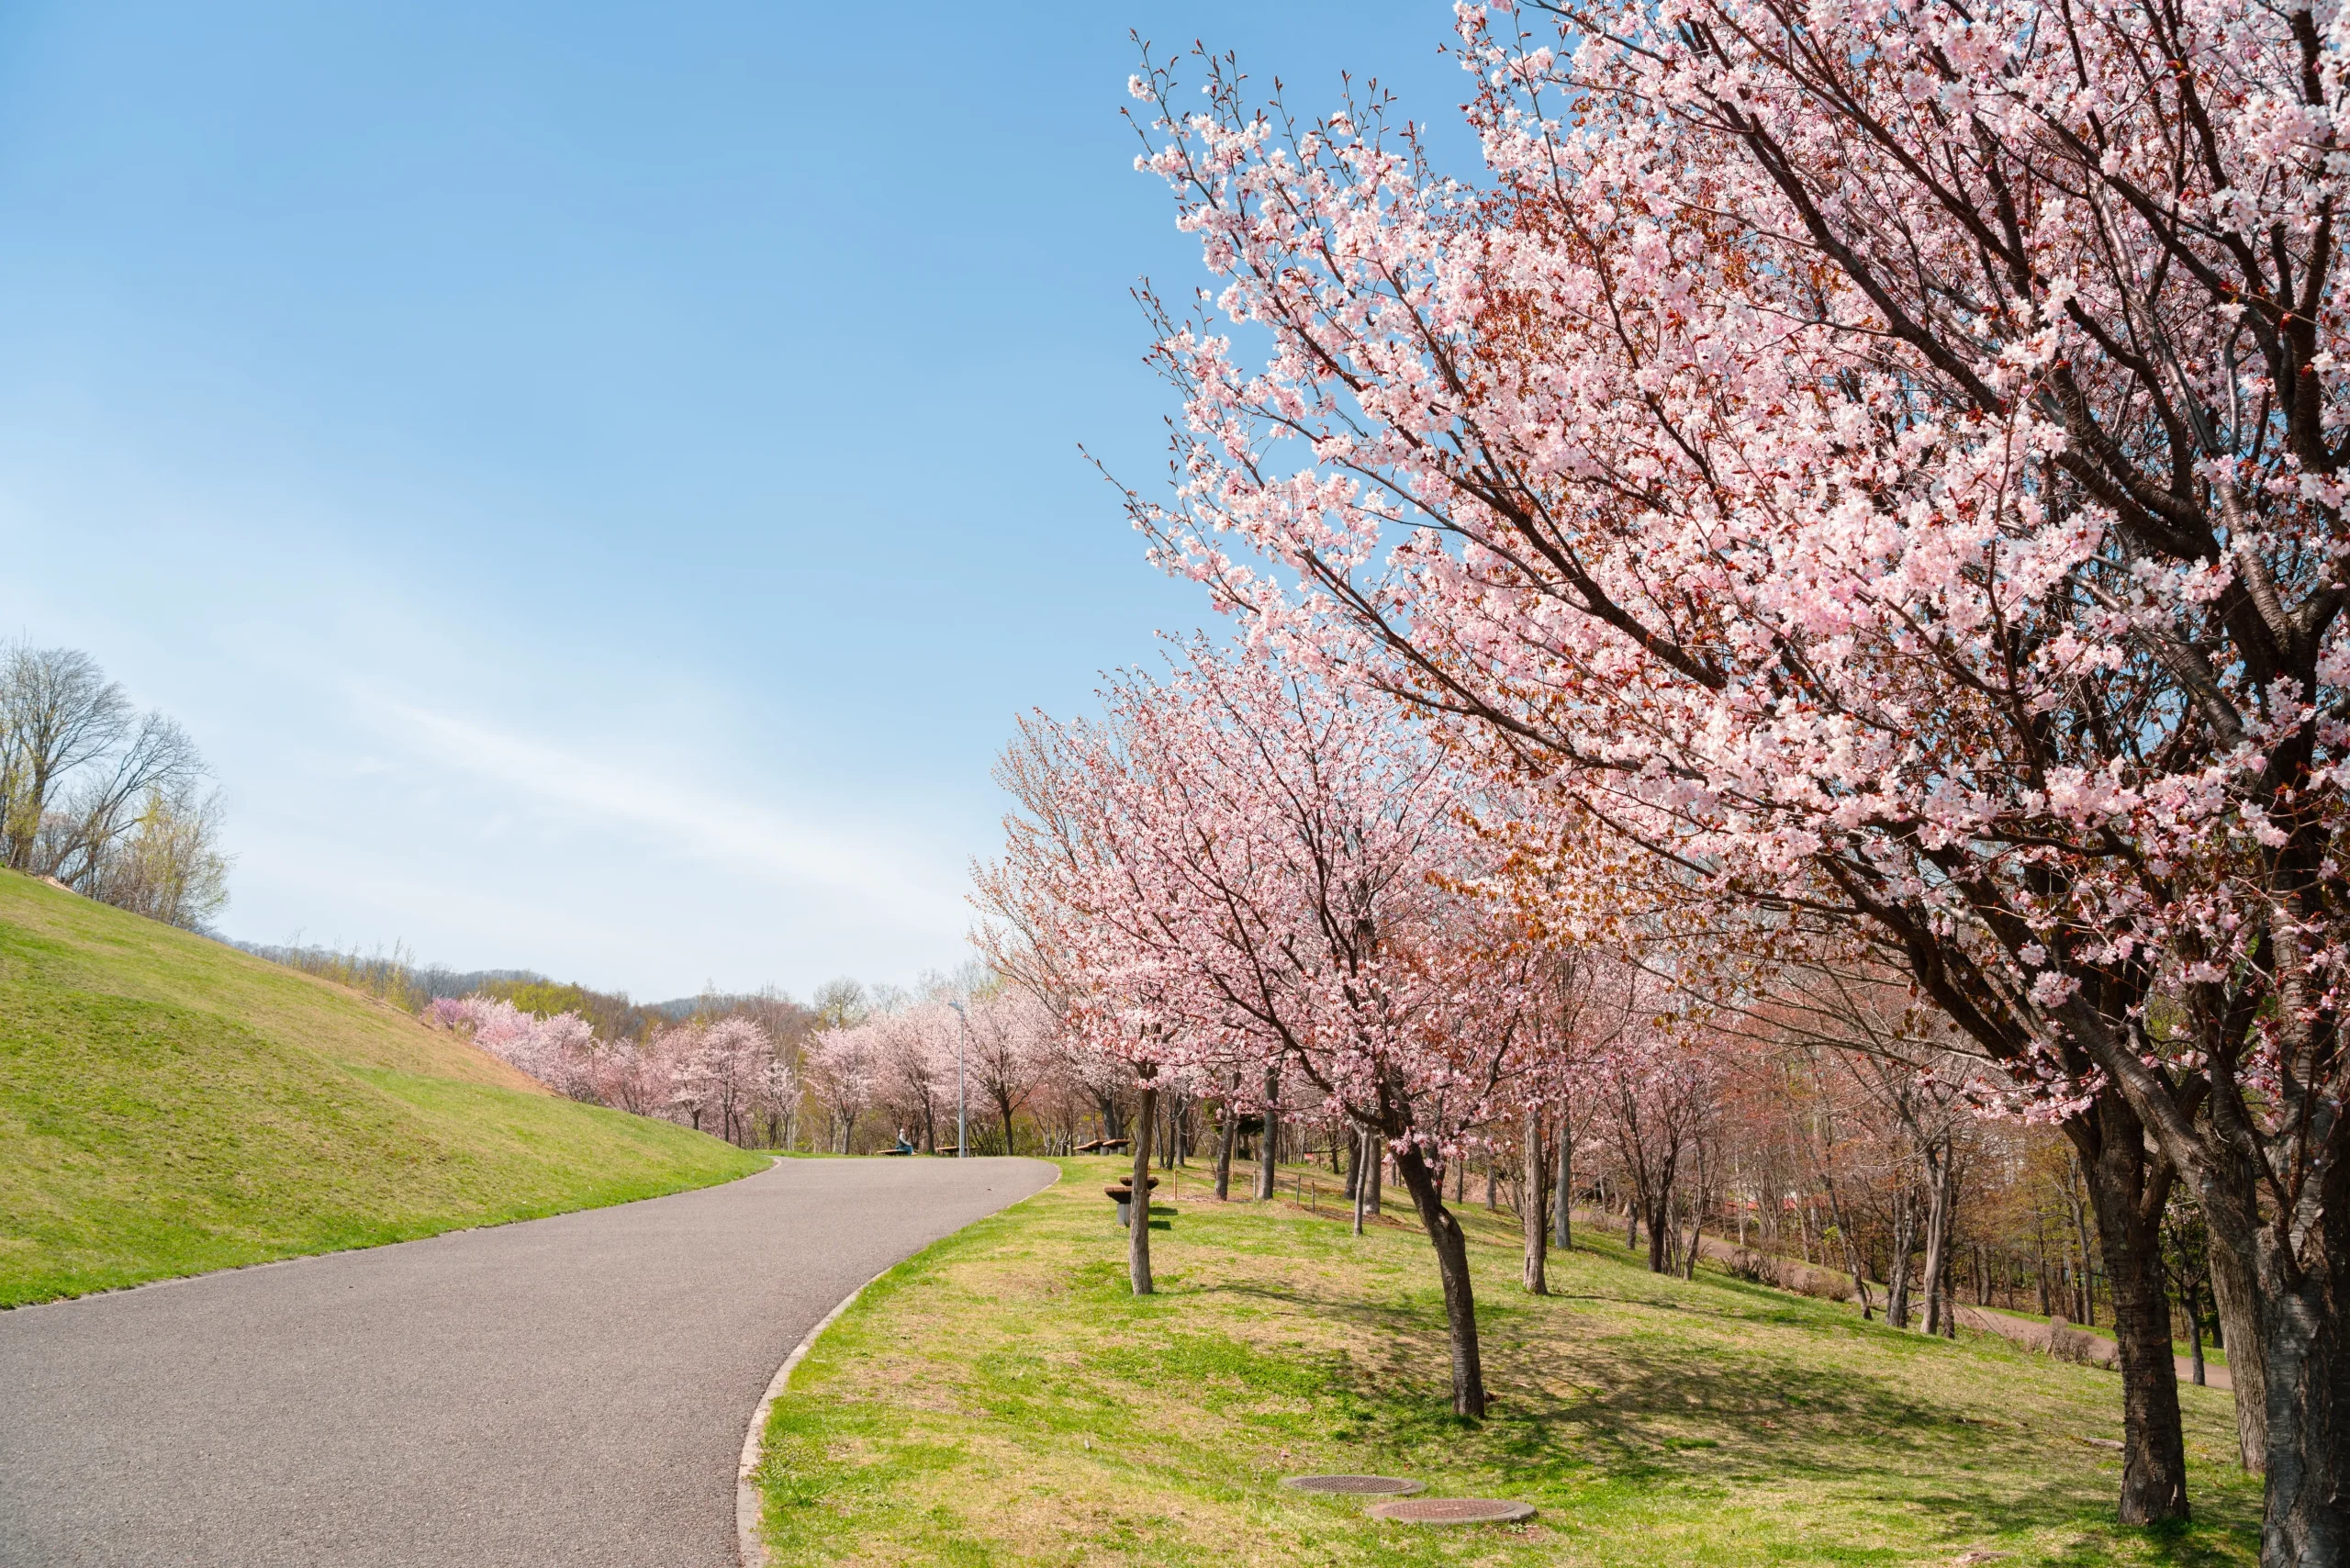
1138, 1211
2300, 1263
1453, 1267
1358, 1185
1268, 1143
2235, 1298
1004, 1115
1531, 1216
1562, 1233
1940, 1184
2307, 1521
1224, 1144
1660, 1224
2129, 1199
1905, 1241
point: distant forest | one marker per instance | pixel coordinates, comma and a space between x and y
397, 978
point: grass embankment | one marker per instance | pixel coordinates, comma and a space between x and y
1001, 1399
169, 1105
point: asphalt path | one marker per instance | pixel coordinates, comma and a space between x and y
569, 1392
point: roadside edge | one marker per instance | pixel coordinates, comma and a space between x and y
750, 1539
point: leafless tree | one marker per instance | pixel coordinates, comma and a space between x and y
57, 712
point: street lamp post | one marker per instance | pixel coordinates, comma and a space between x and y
962, 1031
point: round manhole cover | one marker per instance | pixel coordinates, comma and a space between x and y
1353, 1485
1453, 1511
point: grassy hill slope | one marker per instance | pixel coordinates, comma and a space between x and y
169, 1105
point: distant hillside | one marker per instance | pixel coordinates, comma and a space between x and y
169, 1104
427, 983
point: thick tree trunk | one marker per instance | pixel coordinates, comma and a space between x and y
1562, 1233
1374, 1174
1138, 1221
1268, 1143
2129, 1199
1660, 1224
1937, 1230
1531, 1216
2307, 1520
2300, 1265
2235, 1297
1453, 1267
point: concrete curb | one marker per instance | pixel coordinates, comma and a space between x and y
750, 1541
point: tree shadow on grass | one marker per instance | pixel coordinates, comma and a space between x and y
1591, 1412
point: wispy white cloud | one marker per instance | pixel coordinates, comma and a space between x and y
834, 858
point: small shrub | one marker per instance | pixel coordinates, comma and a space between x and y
2067, 1343
1824, 1285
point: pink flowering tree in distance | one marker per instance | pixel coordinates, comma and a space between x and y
1886, 468
844, 1068
916, 1070
1246, 869
560, 1052
1010, 1047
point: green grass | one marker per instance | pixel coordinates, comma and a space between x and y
1001, 1399
169, 1105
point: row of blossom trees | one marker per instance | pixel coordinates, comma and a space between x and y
918, 1066
1856, 490
727, 1076
877, 1068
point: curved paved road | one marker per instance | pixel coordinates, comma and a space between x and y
570, 1391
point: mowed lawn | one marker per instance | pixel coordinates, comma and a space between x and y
1001, 1399
169, 1105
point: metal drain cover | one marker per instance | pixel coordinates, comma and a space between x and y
1353, 1485
1453, 1511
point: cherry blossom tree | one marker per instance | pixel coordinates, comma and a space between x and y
1011, 1045
560, 1051
843, 1070
1898, 487
1247, 869
916, 1068
719, 1067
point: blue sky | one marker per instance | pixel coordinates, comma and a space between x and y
598, 480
